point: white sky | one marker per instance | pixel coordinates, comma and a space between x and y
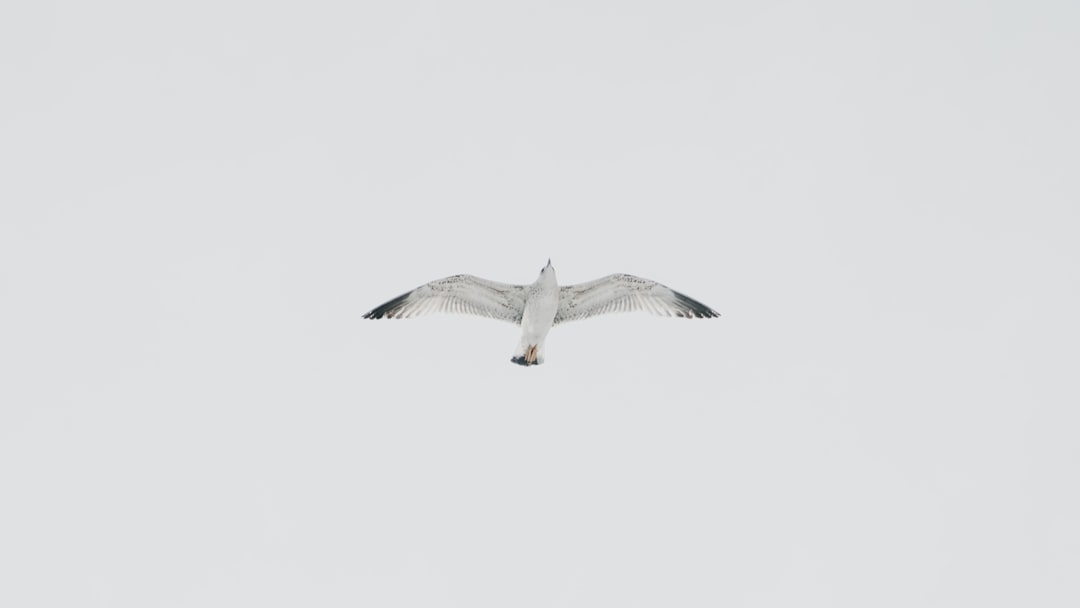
199, 200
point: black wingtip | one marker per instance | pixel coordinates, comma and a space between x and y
388, 309
695, 309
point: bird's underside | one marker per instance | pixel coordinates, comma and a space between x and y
542, 305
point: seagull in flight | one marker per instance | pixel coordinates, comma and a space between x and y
542, 305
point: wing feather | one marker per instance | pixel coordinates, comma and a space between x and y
625, 293
461, 293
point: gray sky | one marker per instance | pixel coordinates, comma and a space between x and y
198, 202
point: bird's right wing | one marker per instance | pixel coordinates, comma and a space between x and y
461, 293
624, 293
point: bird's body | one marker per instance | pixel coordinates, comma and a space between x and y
543, 304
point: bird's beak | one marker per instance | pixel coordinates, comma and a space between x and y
549, 262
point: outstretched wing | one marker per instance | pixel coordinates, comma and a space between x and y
461, 293
625, 293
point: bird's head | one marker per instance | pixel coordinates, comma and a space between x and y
548, 270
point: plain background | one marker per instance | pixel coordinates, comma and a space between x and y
199, 200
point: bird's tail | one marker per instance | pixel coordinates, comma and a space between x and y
527, 354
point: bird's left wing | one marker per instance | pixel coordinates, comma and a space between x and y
624, 293
461, 293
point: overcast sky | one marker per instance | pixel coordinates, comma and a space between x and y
199, 200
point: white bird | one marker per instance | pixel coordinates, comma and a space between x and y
542, 305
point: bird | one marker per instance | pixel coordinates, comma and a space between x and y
540, 306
